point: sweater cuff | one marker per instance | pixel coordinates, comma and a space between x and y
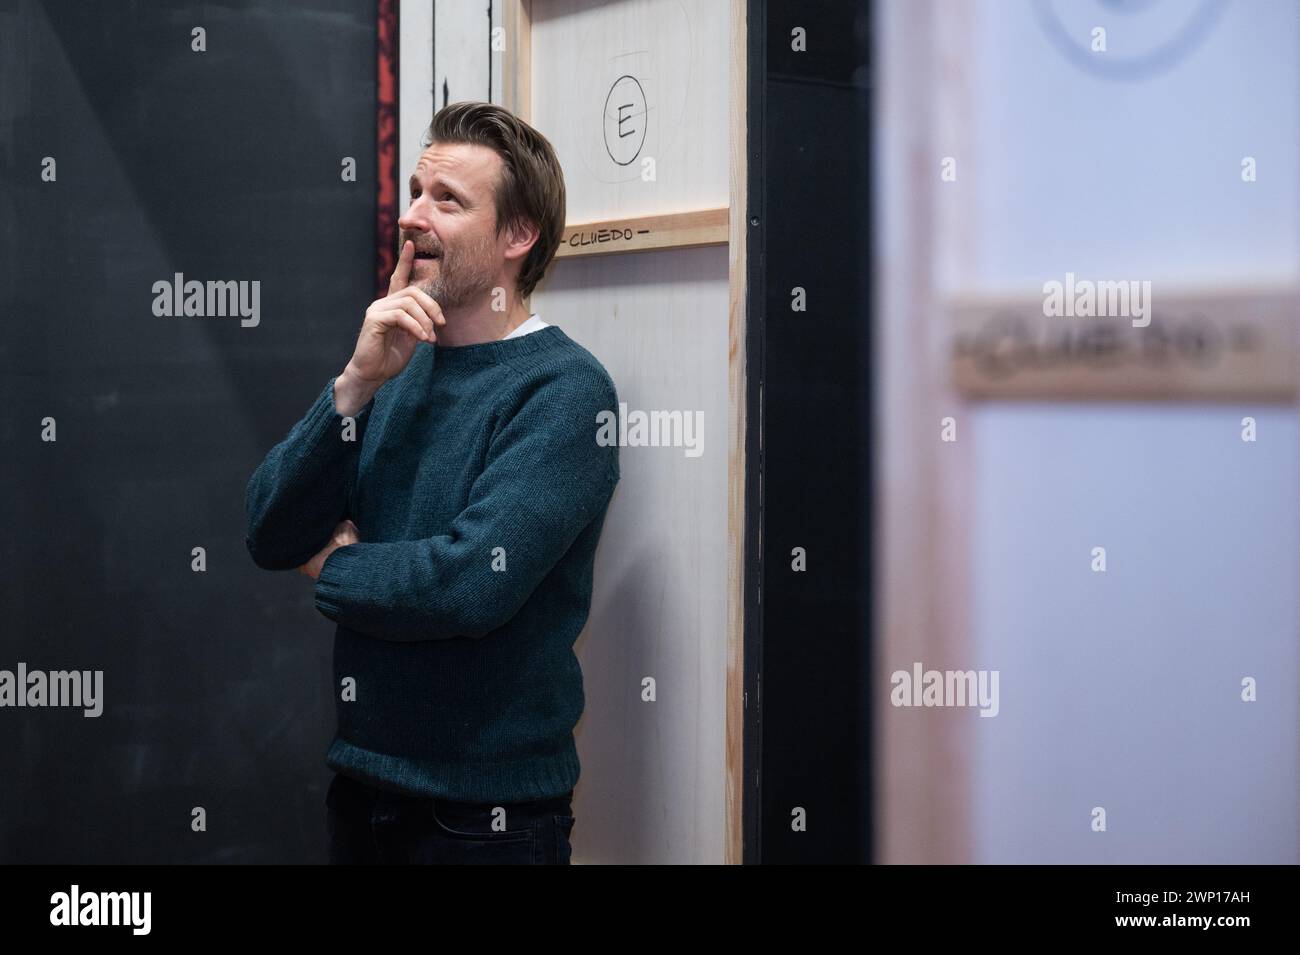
361, 415
322, 427
331, 584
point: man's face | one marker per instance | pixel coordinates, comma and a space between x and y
452, 221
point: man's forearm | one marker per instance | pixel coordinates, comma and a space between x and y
352, 394
301, 489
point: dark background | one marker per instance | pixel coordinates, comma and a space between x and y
809, 188
223, 165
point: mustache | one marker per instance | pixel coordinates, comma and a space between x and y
428, 248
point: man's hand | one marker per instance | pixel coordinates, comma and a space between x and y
392, 327
346, 533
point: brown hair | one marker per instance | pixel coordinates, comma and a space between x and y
531, 184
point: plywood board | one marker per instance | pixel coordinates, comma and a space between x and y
654, 773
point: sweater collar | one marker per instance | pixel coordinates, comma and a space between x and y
492, 352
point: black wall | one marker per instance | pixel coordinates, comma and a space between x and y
808, 741
223, 165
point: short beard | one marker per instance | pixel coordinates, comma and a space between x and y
464, 273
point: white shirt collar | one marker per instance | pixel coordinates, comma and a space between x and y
533, 324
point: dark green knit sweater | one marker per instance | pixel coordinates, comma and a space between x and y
479, 489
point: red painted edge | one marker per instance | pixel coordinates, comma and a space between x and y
386, 146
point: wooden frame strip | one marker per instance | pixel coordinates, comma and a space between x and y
674, 230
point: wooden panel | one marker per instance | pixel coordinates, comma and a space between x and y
634, 95
462, 52
654, 774
415, 97
516, 81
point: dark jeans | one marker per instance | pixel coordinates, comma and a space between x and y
369, 826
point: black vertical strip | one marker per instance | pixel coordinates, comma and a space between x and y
755, 298
865, 77
812, 200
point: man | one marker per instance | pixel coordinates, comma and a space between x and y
446, 492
